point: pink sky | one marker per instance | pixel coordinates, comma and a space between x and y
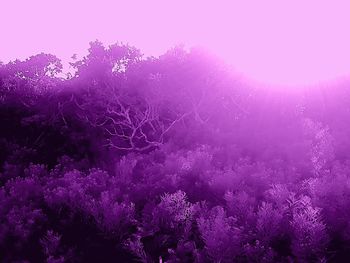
273, 41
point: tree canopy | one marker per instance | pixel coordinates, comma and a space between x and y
134, 158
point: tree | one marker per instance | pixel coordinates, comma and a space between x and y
102, 62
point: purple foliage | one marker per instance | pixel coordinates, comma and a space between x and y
138, 159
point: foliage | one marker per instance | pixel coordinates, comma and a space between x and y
133, 159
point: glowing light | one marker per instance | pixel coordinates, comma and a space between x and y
286, 43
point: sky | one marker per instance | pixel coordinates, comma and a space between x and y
277, 42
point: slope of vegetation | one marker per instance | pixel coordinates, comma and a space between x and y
134, 159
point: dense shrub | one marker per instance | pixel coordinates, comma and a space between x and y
134, 159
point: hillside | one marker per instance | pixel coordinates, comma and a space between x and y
133, 159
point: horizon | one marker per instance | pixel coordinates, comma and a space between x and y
263, 41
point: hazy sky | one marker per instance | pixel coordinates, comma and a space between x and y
274, 41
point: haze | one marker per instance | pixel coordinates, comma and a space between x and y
286, 43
